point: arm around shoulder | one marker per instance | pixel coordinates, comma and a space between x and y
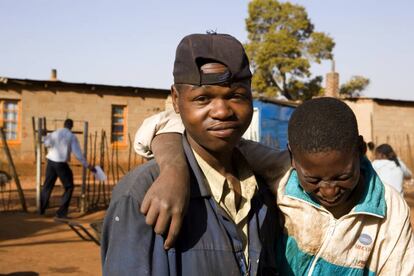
166, 201
270, 163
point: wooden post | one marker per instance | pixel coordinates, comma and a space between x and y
38, 162
117, 162
102, 163
85, 149
129, 151
34, 136
410, 153
44, 129
14, 171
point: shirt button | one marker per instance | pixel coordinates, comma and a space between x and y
116, 218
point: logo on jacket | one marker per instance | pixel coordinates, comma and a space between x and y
365, 239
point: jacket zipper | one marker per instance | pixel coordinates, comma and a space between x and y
324, 245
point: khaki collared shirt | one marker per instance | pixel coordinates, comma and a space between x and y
223, 193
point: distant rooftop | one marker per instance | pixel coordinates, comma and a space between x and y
379, 100
136, 89
5, 81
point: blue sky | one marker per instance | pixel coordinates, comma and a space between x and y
132, 42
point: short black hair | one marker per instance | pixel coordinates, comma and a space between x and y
388, 152
323, 124
371, 145
68, 123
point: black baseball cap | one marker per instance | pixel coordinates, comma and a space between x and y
197, 49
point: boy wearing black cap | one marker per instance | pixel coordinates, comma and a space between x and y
230, 225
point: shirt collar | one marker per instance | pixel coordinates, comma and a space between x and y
214, 180
245, 174
372, 201
197, 187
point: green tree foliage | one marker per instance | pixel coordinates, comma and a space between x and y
354, 87
281, 46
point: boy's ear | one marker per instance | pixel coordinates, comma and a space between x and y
362, 146
292, 164
174, 97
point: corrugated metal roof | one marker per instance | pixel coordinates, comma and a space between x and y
296, 103
4, 81
379, 100
278, 102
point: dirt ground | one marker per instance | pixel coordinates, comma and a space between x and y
36, 245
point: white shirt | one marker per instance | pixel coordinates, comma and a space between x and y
163, 122
61, 143
389, 173
406, 171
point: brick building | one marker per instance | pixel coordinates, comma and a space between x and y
387, 121
381, 120
118, 110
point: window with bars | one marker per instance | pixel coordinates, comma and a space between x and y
118, 125
9, 119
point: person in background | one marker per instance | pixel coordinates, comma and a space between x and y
61, 143
390, 168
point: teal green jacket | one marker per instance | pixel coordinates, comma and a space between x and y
375, 238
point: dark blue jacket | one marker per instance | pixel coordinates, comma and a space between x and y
208, 243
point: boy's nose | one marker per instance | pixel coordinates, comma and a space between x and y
221, 109
329, 191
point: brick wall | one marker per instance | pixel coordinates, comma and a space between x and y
363, 110
387, 121
393, 123
80, 104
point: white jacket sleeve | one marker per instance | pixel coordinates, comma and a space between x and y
163, 122
406, 171
48, 140
77, 151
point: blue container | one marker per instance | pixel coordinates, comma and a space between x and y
270, 124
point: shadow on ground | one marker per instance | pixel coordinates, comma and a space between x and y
17, 225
